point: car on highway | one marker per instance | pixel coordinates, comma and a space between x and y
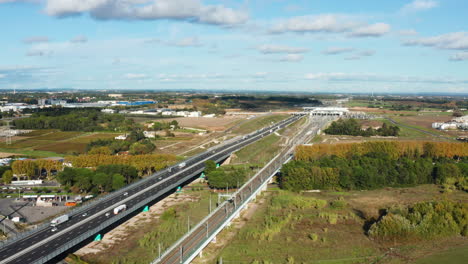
85, 214
54, 229
107, 214
125, 193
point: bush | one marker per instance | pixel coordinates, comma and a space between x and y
314, 237
422, 221
340, 203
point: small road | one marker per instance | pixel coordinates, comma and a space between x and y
417, 129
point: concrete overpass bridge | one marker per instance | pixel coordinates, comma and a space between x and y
43, 245
193, 242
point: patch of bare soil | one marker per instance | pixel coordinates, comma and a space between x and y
211, 124
122, 232
222, 240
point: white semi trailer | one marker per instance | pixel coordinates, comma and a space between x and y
59, 220
120, 208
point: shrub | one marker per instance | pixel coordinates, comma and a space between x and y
314, 237
340, 203
331, 218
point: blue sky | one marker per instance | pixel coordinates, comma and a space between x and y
408, 46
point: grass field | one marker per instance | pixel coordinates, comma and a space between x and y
457, 255
142, 244
48, 142
257, 123
259, 152
310, 235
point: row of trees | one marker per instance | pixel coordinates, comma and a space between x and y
105, 178
32, 169
353, 128
75, 120
224, 177
395, 149
145, 164
425, 220
370, 171
135, 144
158, 126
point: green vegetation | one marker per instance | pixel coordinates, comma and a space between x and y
259, 152
351, 127
421, 221
257, 123
67, 119
106, 178
136, 143
224, 177
373, 170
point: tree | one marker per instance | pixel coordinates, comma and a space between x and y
118, 181
7, 176
100, 150
67, 176
103, 181
24, 168
130, 173
210, 166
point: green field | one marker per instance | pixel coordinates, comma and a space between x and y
257, 123
458, 255
142, 244
290, 231
49, 142
259, 152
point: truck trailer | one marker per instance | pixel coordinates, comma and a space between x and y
59, 220
120, 208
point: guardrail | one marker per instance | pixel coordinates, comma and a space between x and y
250, 139
78, 210
188, 246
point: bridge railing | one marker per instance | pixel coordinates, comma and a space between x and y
251, 187
85, 206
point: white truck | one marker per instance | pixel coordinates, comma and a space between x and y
120, 208
59, 220
182, 165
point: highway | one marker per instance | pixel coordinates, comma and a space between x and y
44, 244
187, 246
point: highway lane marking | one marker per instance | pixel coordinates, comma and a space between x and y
157, 184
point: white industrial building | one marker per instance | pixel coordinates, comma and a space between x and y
326, 111
456, 123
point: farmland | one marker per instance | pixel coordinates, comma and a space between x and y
309, 235
48, 142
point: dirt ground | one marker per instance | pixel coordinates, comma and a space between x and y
212, 124
6, 154
121, 232
227, 234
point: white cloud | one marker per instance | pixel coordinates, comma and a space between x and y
2, 76
368, 77
374, 30
419, 5
268, 49
330, 23
336, 50
407, 32
135, 76
293, 57
187, 42
36, 39
17, 1
461, 56
187, 10
79, 39
38, 53
455, 41
366, 53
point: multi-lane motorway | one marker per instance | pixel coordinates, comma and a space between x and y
44, 244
